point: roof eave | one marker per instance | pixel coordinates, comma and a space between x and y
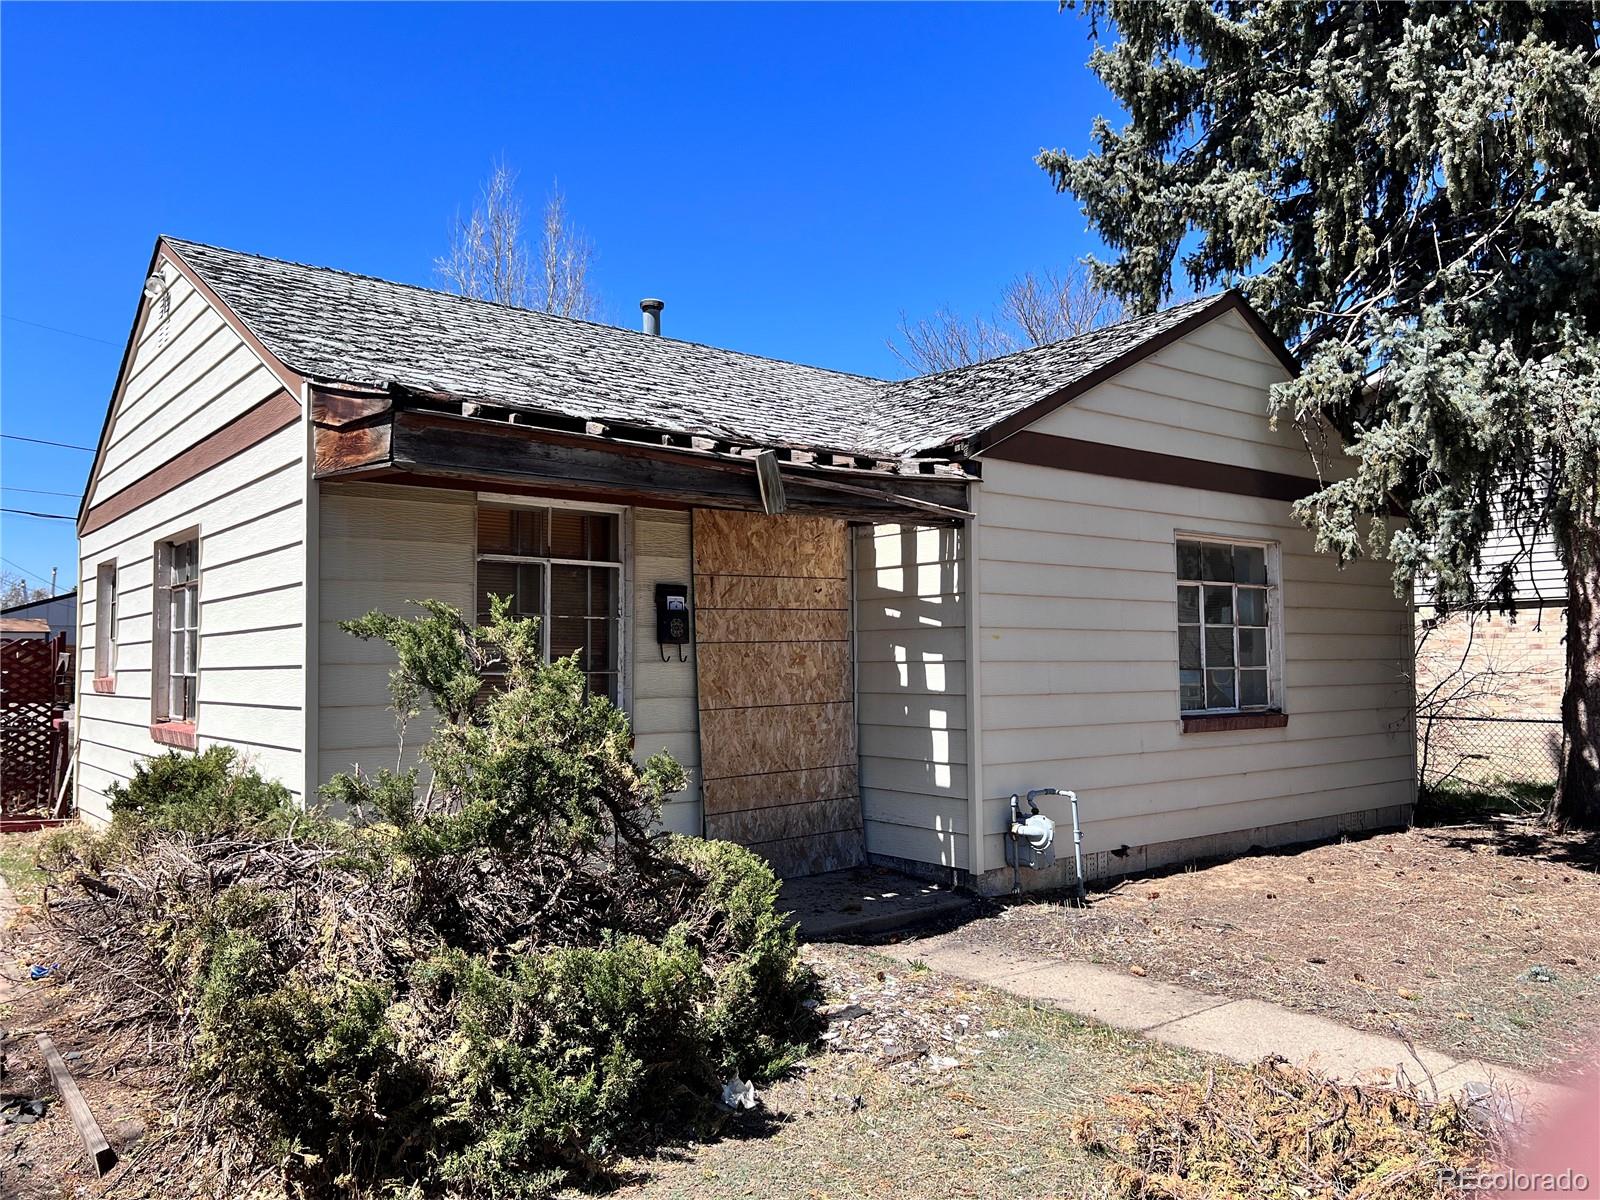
1232, 300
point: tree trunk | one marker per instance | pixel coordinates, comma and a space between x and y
1576, 802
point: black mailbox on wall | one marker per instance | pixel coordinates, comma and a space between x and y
672, 617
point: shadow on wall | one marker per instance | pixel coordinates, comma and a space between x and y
911, 639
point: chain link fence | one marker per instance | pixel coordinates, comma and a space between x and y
1489, 752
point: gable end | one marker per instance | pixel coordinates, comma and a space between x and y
1229, 301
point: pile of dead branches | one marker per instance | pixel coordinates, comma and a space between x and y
1284, 1133
489, 985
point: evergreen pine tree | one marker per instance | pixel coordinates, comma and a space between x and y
1410, 194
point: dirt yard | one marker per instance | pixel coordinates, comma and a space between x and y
984, 1088
1480, 939
924, 1088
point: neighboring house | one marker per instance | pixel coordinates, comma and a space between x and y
59, 614
1071, 567
1489, 681
23, 628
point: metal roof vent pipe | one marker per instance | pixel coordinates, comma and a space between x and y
652, 315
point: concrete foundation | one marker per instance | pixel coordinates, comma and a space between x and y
1108, 864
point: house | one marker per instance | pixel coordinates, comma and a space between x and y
23, 628
1489, 679
861, 613
59, 614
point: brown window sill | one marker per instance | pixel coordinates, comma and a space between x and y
175, 733
105, 684
1227, 722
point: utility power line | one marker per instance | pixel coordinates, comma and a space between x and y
25, 512
17, 437
18, 566
88, 337
6, 487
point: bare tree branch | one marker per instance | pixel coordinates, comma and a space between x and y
1051, 307
1034, 309
15, 589
489, 257
567, 254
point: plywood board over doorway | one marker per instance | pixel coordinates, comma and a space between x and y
777, 714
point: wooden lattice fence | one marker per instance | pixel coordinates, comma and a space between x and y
35, 690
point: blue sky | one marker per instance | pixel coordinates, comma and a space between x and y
788, 178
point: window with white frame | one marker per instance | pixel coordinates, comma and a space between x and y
105, 621
177, 629
1225, 626
563, 566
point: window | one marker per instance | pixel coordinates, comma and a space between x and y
563, 566
177, 629
105, 621
1224, 627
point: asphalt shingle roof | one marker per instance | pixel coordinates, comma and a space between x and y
335, 326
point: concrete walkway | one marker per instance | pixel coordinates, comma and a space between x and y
864, 902
1242, 1030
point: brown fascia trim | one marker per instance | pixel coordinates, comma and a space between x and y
1227, 723
291, 379
1147, 466
335, 405
1229, 301
716, 460
275, 413
419, 478
828, 478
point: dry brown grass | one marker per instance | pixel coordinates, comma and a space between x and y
1482, 940
928, 1087
1277, 1131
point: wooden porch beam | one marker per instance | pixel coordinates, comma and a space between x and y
499, 454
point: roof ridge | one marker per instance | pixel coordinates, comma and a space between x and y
1099, 331
180, 243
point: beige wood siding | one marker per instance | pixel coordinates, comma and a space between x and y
911, 696
383, 547
190, 376
1540, 580
386, 545
1079, 636
251, 643
663, 705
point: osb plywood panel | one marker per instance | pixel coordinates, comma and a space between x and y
773, 625
765, 674
815, 853
737, 792
788, 737
777, 716
734, 543
784, 821
757, 591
